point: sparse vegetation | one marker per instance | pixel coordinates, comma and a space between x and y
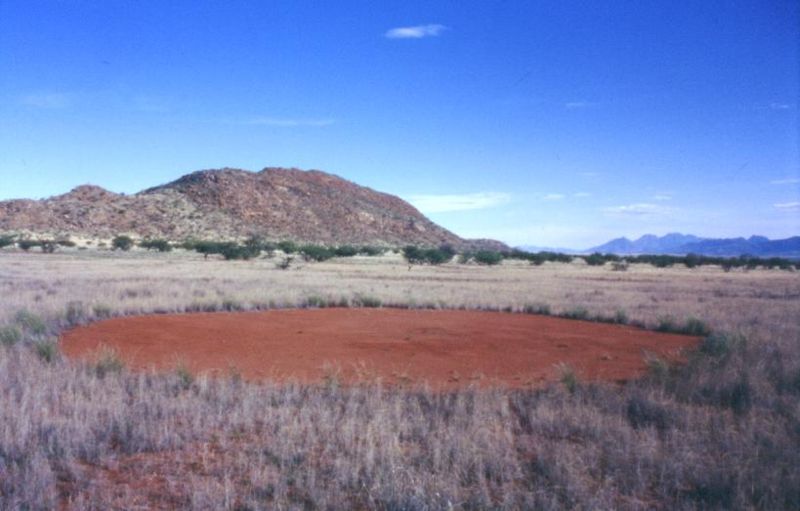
75, 439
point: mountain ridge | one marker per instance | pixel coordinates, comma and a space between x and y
682, 244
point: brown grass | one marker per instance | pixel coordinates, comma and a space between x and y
721, 432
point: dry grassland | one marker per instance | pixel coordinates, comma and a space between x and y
722, 431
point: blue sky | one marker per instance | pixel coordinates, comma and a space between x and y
552, 123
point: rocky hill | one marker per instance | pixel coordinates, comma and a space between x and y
277, 203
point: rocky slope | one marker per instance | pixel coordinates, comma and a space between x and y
277, 203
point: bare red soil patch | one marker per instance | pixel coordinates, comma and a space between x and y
444, 348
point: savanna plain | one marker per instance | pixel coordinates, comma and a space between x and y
717, 429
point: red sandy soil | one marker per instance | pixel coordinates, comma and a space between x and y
445, 349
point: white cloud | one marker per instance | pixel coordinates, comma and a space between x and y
662, 197
638, 210
787, 206
286, 123
780, 106
553, 196
48, 100
582, 194
464, 202
787, 181
415, 32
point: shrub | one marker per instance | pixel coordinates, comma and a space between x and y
258, 244
27, 244
48, 246
76, 313
284, 263
206, 247
108, 362
316, 253
188, 244
642, 412
233, 251
345, 251
101, 310
434, 256
315, 301
185, 376
488, 257
537, 308
595, 259
657, 367
692, 260
30, 322
367, 301
619, 265
123, 243
537, 259
718, 345
576, 313
10, 335
231, 305
160, 245
47, 351
568, 377
6, 241
66, 243
695, 326
368, 250
288, 247
667, 324
621, 317
414, 255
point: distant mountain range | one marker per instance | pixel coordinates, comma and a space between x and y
276, 203
682, 244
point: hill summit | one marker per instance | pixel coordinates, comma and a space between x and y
277, 203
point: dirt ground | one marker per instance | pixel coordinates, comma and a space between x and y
442, 348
